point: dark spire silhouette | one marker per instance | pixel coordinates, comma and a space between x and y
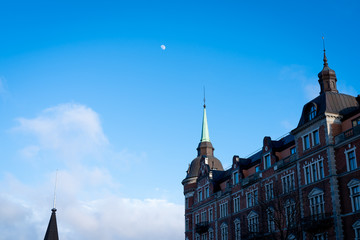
327, 76
52, 230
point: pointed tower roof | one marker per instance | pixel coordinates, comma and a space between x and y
205, 130
205, 148
52, 230
327, 77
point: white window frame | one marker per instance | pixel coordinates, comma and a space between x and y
303, 140
236, 204
224, 231
316, 202
270, 219
315, 170
236, 178
356, 227
237, 228
203, 217
197, 218
207, 192
210, 215
347, 158
290, 212
269, 191
211, 234
251, 197
253, 222
200, 196
355, 198
288, 182
267, 159
203, 236
313, 137
223, 209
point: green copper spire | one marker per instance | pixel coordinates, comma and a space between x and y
205, 131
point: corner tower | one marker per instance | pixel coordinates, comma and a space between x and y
206, 149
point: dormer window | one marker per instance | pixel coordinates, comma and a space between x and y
312, 112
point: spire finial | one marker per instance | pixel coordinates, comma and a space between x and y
205, 130
204, 98
325, 59
54, 205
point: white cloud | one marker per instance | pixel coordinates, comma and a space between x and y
89, 199
71, 130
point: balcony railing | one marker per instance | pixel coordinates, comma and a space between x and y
318, 222
250, 179
284, 162
202, 227
355, 131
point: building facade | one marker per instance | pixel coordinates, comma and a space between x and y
305, 185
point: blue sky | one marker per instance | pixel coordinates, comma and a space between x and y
85, 88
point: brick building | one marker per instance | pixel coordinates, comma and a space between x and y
305, 185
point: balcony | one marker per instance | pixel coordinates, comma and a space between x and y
251, 179
202, 227
352, 132
317, 223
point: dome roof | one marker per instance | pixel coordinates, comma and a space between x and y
194, 167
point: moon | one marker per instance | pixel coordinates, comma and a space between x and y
163, 47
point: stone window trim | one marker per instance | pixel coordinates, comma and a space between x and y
211, 217
269, 190
237, 228
224, 231
270, 219
252, 197
355, 198
346, 152
236, 202
211, 234
313, 170
267, 161
316, 207
311, 143
253, 222
356, 227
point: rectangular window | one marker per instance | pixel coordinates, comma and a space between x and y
236, 204
290, 213
288, 183
197, 219
251, 198
207, 193
235, 178
355, 197
223, 209
224, 233
187, 225
186, 203
210, 215
269, 191
199, 196
253, 224
257, 169
317, 206
351, 160
293, 150
271, 222
314, 171
211, 235
237, 230
267, 161
306, 142
315, 135
203, 217
203, 236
